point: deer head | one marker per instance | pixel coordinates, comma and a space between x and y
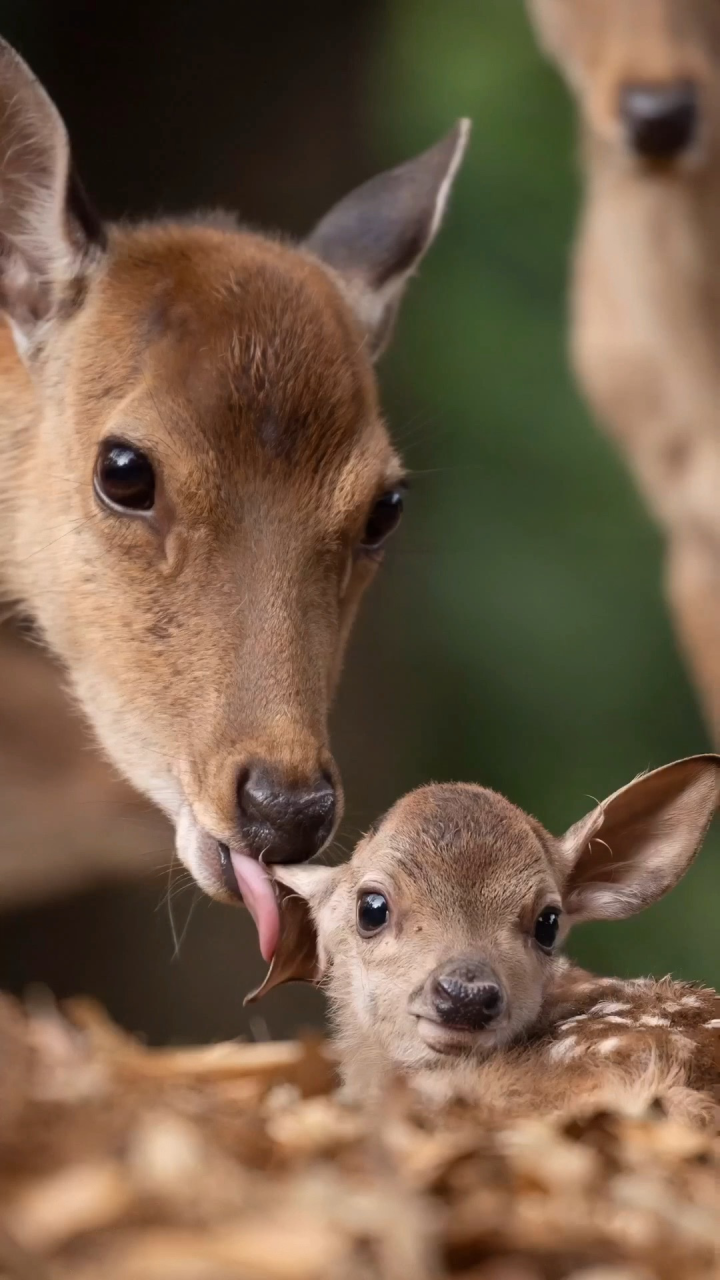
644, 72
197, 481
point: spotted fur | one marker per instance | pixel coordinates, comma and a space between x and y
465, 874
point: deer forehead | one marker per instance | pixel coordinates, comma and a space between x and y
460, 851
633, 39
241, 350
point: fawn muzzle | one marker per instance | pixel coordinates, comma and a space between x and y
282, 821
661, 120
467, 996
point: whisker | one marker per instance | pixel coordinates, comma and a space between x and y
77, 524
183, 935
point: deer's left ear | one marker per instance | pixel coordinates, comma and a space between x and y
300, 891
635, 846
375, 238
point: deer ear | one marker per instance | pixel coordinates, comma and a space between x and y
635, 846
300, 890
48, 234
375, 238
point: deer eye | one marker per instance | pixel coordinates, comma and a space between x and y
546, 928
373, 913
124, 477
383, 518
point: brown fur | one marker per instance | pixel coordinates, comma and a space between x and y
262, 605
466, 875
209, 633
646, 285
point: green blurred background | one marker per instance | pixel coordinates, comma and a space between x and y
517, 634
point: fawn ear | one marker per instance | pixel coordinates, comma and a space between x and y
48, 234
635, 846
301, 890
375, 238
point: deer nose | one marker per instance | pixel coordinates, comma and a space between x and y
280, 822
468, 997
661, 120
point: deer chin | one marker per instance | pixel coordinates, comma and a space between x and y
230, 873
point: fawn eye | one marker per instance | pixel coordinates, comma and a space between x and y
373, 912
383, 518
124, 477
546, 928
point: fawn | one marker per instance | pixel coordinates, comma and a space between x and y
438, 945
196, 481
645, 307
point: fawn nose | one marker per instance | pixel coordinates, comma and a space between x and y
468, 996
281, 822
661, 120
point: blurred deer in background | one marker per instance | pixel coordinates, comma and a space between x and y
438, 944
646, 284
196, 481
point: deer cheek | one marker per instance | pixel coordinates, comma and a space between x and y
524, 980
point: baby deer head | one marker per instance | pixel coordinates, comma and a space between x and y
645, 72
441, 937
196, 482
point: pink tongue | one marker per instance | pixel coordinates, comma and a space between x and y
259, 898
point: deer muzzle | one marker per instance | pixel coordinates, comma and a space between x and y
661, 120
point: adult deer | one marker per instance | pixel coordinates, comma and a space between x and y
196, 481
646, 279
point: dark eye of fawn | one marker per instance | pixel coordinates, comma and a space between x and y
546, 928
384, 517
124, 477
372, 912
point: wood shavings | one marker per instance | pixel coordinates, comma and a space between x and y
48, 1212
240, 1162
15, 1054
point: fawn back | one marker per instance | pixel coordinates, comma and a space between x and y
196, 480
439, 946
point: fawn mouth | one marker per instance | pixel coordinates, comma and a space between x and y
455, 1040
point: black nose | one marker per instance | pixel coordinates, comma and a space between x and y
468, 997
661, 120
284, 823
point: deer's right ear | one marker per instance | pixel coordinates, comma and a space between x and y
375, 238
48, 233
635, 846
301, 890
